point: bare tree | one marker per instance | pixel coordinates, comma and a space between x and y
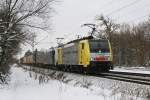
109, 27
16, 18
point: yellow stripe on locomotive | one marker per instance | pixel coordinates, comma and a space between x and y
84, 53
59, 58
111, 54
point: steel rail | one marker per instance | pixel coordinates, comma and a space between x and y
128, 77
130, 73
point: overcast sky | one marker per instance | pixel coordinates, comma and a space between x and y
69, 15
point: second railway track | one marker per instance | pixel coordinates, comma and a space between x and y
139, 78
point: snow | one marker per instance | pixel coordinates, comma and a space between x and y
24, 87
145, 70
42, 84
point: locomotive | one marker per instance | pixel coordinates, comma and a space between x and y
84, 55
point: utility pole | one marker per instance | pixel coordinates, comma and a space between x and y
33, 43
59, 41
78, 36
33, 46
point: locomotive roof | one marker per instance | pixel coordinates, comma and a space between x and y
84, 38
77, 40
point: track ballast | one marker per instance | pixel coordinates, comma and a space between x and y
139, 78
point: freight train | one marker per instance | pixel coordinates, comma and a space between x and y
84, 55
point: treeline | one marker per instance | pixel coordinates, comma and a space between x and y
130, 44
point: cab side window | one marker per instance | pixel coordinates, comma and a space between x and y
82, 45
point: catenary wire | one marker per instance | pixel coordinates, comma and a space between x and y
123, 7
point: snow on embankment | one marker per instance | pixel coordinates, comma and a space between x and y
42, 84
27, 85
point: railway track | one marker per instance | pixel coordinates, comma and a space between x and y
139, 78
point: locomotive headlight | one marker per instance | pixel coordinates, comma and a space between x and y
107, 57
92, 59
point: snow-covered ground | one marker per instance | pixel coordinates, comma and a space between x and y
41, 84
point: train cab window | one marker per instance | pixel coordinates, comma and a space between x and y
82, 45
99, 46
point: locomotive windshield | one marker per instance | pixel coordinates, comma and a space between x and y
99, 46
